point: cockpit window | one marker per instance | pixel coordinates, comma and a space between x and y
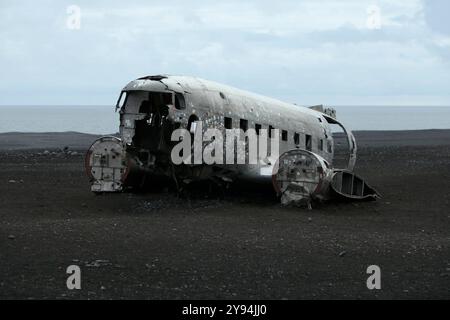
180, 104
121, 101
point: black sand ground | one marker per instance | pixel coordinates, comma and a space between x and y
156, 246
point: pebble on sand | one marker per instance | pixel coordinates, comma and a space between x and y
342, 253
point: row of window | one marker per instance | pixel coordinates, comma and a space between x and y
243, 124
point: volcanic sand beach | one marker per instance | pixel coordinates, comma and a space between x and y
244, 245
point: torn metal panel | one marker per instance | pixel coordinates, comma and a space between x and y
346, 185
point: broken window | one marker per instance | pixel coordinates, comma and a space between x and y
257, 128
284, 135
243, 124
156, 103
144, 107
296, 138
270, 131
180, 104
122, 99
308, 144
192, 124
228, 123
167, 98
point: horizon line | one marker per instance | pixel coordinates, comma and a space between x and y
299, 105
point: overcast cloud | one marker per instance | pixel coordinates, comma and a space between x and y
307, 52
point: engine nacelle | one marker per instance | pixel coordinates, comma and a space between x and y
107, 165
301, 176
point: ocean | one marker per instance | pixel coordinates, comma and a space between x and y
103, 119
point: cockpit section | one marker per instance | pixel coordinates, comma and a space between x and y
146, 123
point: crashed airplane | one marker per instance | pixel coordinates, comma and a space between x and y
164, 121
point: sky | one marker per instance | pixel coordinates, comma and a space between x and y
346, 52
